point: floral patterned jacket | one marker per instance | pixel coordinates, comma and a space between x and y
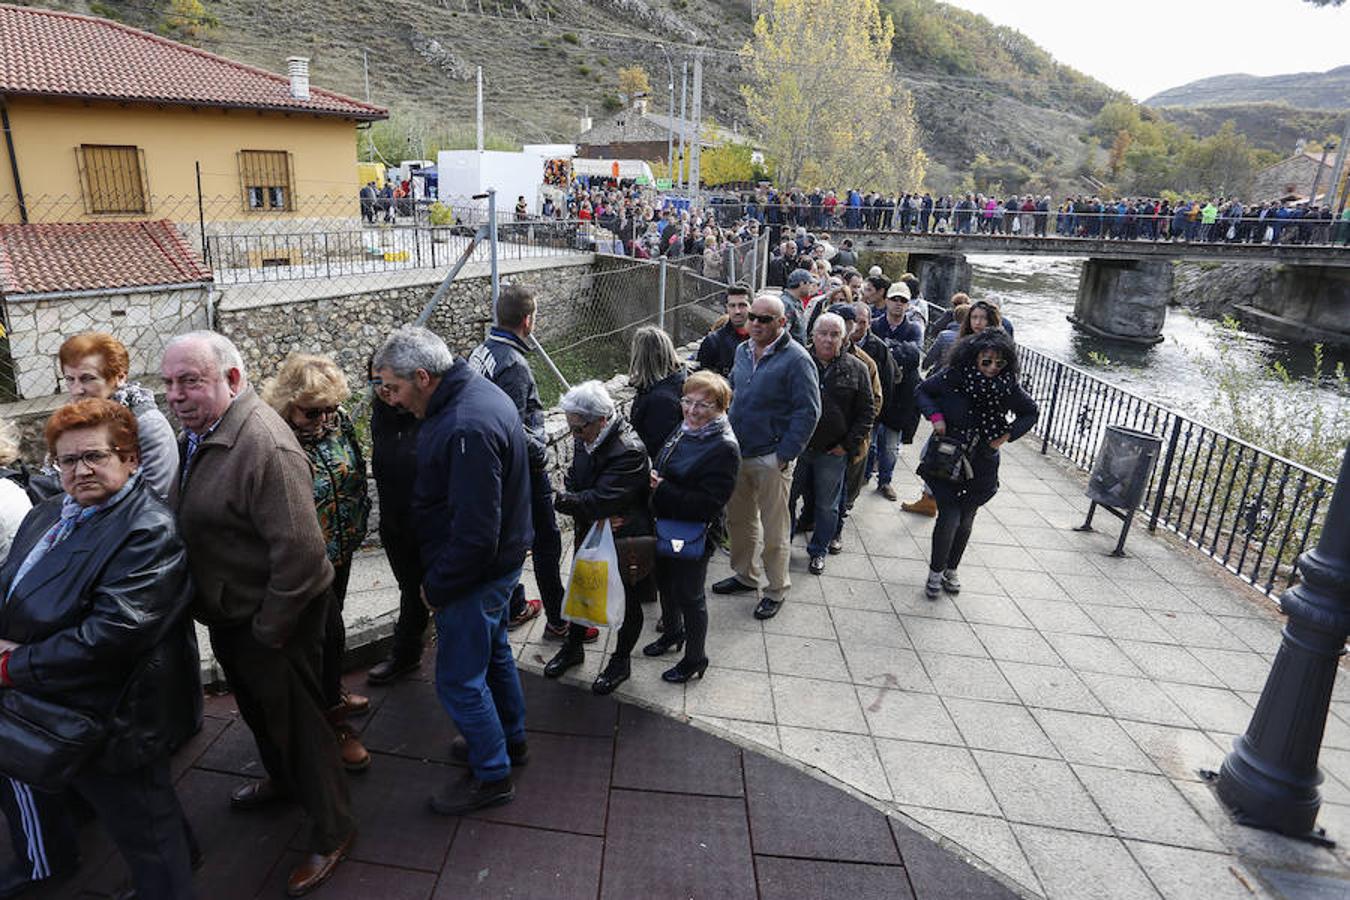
340, 495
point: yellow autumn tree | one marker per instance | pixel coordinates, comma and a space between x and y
633, 82
823, 97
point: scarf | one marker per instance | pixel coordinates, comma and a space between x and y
706, 428
989, 399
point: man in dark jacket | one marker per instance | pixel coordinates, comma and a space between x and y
782, 263
773, 411
717, 351
903, 337
846, 416
471, 507
502, 359
801, 284
889, 376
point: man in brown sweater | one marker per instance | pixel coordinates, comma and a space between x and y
245, 504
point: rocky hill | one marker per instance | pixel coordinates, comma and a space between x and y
1269, 126
1328, 90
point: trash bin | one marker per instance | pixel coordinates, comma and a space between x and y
1120, 476
1123, 467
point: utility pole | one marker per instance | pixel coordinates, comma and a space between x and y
698, 121
370, 138
1317, 176
684, 99
670, 119
480, 109
1338, 171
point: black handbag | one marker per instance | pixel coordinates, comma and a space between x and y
945, 459
44, 744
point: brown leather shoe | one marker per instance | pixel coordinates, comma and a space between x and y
355, 756
256, 794
349, 705
317, 868
924, 506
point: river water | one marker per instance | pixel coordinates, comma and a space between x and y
1038, 293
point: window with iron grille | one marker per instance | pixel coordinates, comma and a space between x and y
266, 177
113, 178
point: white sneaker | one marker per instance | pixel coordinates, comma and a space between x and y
951, 582
934, 585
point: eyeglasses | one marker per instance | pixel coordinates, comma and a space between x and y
700, 405
763, 320
316, 412
91, 458
993, 362
378, 386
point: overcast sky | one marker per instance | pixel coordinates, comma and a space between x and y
1144, 46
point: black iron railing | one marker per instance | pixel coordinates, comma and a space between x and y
1251, 511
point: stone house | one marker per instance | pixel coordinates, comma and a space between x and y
1292, 179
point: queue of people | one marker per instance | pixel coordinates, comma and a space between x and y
249, 521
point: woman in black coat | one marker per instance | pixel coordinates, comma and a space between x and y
970, 400
656, 373
694, 478
609, 479
94, 624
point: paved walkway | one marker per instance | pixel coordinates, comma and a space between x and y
616, 802
1048, 723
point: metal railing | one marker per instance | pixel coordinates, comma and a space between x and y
1251, 511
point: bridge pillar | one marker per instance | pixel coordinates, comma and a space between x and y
940, 276
1123, 299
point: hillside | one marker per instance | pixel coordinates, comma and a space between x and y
979, 88
1270, 126
1328, 90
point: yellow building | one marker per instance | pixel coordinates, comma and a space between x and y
102, 122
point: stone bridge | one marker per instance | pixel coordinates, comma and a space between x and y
1125, 284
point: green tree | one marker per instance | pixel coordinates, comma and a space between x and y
189, 19
804, 103
634, 82
1222, 163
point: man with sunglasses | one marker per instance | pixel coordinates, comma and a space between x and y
774, 410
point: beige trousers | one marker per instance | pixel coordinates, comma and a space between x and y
758, 520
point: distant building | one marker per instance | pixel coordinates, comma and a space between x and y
638, 133
1292, 179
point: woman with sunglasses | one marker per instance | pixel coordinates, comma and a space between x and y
970, 400
306, 393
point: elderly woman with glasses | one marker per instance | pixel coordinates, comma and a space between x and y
96, 365
610, 478
307, 392
94, 631
970, 400
693, 479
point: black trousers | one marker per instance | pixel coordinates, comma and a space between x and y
684, 606
335, 637
139, 810
546, 552
951, 532
282, 703
406, 561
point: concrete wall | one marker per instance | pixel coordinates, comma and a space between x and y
143, 321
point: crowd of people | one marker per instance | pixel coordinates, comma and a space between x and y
248, 522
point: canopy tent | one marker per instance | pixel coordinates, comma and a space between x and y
604, 168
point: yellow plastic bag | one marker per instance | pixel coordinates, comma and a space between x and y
595, 590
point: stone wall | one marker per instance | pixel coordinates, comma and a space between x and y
349, 326
143, 321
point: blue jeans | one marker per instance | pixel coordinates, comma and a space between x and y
476, 678
820, 477
883, 453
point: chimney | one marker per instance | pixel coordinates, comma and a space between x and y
640, 104
298, 67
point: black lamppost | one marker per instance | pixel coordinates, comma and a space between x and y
1270, 778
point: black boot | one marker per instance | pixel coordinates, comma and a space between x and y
664, 644
570, 655
393, 668
615, 673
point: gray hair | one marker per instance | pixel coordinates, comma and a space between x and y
9, 442
589, 400
411, 348
223, 351
653, 357
830, 318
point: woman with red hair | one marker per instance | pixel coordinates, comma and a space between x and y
96, 365
96, 645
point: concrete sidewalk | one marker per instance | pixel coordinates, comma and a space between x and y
1049, 722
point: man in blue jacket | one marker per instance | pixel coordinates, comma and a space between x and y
471, 509
775, 406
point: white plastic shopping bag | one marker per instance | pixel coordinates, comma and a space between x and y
595, 590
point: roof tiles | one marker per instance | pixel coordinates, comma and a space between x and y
46, 258
50, 53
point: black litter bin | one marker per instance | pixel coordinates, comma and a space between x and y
1120, 476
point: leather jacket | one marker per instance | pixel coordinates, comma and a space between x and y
102, 620
614, 480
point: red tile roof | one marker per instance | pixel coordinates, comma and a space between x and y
39, 259
50, 53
